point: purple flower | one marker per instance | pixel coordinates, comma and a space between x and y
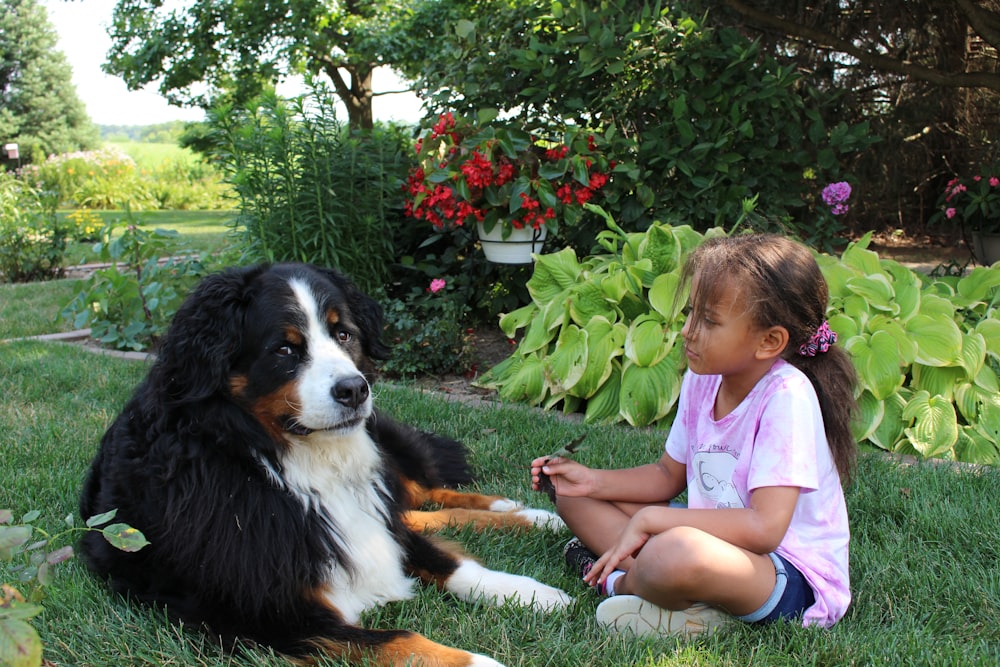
835, 195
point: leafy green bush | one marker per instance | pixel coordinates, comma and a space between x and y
32, 241
424, 331
601, 337
311, 191
129, 303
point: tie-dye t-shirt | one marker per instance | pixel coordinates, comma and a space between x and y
774, 437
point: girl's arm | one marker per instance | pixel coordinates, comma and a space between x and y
651, 483
758, 528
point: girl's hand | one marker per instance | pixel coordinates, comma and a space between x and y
568, 477
631, 540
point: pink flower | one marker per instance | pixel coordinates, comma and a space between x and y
950, 212
437, 285
994, 181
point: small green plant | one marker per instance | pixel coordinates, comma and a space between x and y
35, 555
129, 303
425, 333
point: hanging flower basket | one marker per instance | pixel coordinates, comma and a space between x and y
515, 249
513, 181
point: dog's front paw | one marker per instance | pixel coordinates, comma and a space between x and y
505, 505
542, 518
479, 660
547, 598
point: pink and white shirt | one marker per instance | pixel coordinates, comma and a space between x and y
775, 437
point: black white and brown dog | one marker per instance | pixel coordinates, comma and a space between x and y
279, 506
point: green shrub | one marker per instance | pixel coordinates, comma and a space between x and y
32, 240
129, 303
601, 337
311, 191
424, 330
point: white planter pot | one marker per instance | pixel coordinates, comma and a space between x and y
515, 249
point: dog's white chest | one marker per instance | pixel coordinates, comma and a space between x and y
339, 473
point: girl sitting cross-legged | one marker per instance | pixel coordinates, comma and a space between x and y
761, 442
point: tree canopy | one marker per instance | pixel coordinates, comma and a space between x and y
39, 108
210, 49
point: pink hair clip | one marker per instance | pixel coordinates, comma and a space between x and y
820, 341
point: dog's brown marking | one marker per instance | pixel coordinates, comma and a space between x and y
457, 508
272, 408
332, 316
386, 648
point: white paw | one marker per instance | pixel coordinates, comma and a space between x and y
542, 518
483, 661
472, 581
505, 505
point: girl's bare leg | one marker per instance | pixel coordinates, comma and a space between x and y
684, 565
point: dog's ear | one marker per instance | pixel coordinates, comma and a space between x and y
367, 313
196, 355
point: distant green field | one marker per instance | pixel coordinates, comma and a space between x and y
152, 155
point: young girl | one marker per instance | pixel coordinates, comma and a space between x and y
761, 442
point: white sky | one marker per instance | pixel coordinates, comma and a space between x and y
83, 39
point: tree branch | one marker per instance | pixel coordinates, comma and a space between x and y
874, 60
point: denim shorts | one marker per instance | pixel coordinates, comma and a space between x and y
791, 596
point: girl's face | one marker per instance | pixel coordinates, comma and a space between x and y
721, 338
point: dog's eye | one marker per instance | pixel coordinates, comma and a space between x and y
344, 336
285, 351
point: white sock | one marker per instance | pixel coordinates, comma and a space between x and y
609, 583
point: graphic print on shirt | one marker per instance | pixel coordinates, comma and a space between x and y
714, 471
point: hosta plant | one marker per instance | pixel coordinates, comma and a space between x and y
602, 337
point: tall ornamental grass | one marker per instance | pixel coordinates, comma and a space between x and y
310, 190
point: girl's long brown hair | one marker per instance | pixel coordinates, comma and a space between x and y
782, 285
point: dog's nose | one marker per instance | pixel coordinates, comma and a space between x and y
351, 392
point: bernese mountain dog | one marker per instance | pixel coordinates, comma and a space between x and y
278, 504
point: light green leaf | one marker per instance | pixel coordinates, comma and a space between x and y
604, 405
989, 329
937, 380
12, 538
890, 429
568, 361
876, 290
935, 424
870, 411
586, 301
973, 447
663, 295
553, 274
606, 341
100, 519
648, 341
20, 645
648, 393
939, 340
877, 361
125, 537
518, 319
524, 381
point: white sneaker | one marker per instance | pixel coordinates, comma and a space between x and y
630, 613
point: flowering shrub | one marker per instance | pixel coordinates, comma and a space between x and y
493, 174
102, 179
32, 242
972, 202
84, 225
423, 328
835, 195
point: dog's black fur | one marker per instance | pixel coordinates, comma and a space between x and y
206, 459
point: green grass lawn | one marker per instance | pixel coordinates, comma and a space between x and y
925, 556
